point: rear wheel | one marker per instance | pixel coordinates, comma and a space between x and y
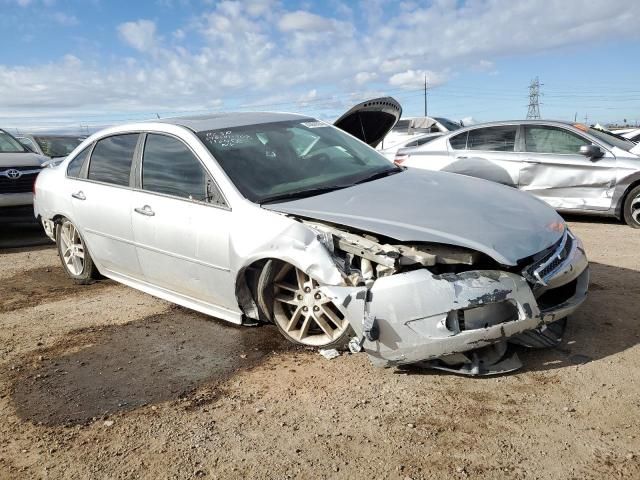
631, 208
74, 255
302, 313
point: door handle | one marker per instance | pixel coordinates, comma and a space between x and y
146, 210
461, 157
79, 195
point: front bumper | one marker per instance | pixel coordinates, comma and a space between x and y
421, 316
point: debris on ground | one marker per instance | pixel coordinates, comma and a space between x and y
329, 353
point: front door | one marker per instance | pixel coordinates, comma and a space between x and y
555, 171
181, 224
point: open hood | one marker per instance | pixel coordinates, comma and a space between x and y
371, 120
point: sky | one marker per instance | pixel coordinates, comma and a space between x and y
66, 63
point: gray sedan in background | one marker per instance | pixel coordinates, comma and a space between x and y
572, 167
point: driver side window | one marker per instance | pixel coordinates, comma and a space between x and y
541, 139
169, 167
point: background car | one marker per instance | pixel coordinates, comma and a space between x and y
407, 128
633, 135
52, 146
18, 171
572, 167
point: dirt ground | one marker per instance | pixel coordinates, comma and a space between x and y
102, 381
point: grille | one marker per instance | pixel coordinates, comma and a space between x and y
541, 269
18, 185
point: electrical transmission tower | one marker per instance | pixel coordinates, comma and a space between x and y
534, 100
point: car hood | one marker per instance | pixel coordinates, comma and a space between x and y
8, 160
439, 207
371, 120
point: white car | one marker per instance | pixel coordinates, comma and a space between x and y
286, 219
633, 135
409, 128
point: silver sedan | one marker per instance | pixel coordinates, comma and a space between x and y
282, 218
572, 167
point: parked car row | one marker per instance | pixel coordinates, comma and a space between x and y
282, 218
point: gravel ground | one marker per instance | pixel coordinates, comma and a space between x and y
102, 381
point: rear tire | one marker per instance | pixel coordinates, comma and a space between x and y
631, 208
73, 253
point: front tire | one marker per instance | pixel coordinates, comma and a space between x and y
302, 313
73, 253
631, 208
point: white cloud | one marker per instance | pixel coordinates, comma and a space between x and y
415, 78
140, 35
305, 21
365, 77
64, 19
251, 50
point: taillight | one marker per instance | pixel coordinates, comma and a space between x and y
400, 159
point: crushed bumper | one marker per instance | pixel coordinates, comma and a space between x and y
421, 316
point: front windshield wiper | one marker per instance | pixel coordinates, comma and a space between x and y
377, 175
310, 192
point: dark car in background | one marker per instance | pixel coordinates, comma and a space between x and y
19, 168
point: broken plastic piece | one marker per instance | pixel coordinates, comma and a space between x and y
355, 345
370, 327
486, 361
329, 353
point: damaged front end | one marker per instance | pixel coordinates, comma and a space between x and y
450, 307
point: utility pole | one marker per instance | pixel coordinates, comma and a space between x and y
586, 119
534, 100
575, 117
425, 94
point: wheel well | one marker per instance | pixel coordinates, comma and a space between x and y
246, 289
633, 185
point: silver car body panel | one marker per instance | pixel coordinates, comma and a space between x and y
567, 182
197, 254
408, 207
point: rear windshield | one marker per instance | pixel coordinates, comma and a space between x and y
57, 146
448, 124
8, 144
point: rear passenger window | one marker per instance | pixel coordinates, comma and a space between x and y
111, 159
169, 167
75, 166
459, 142
495, 139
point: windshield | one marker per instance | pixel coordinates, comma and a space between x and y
57, 146
448, 124
8, 144
273, 161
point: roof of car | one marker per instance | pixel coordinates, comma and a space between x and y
215, 121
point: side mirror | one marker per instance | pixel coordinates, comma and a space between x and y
591, 151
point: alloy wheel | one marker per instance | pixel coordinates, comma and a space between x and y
635, 209
72, 248
303, 312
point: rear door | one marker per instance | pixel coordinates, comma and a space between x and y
487, 152
101, 203
181, 223
556, 172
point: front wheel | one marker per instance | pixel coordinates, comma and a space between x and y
631, 208
74, 255
302, 313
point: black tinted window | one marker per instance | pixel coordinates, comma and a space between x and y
459, 142
111, 159
75, 165
169, 167
496, 139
